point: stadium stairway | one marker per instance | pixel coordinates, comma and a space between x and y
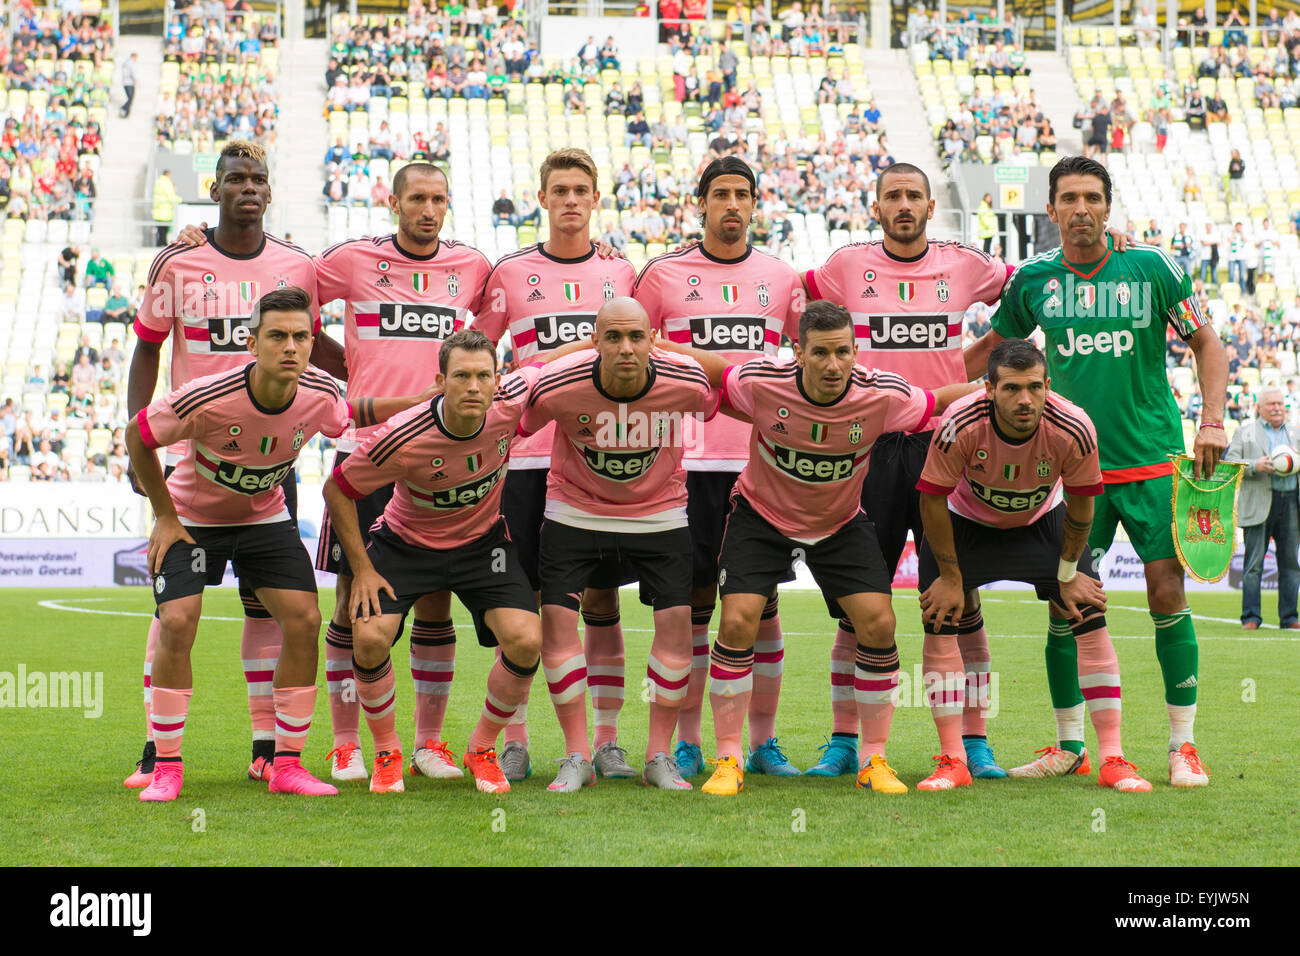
1050, 79
893, 82
301, 139
122, 178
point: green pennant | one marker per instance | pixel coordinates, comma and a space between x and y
1205, 518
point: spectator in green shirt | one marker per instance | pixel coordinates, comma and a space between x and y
99, 271
117, 308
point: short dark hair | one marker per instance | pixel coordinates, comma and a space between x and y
289, 298
1018, 354
399, 178
468, 340
729, 165
1077, 166
898, 168
822, 316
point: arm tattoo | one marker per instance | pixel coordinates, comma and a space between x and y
1077, 527
944, 557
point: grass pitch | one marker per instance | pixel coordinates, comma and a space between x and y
73, 810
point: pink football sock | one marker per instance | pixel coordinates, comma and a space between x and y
341, 684
433, 664
769, 662
973, 642
377, 690
844, 708
731, 683
669, 671
691, 713
507, 686
603, 649
565, 667
259, 649
1099, 682
875, 684
945, 685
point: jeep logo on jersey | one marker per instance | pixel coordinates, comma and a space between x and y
241, 479
728, 332
555, 330
405, 320
619, 465
1116, 343
908, 331
1010, 500
228, 334
809, 466
462, 496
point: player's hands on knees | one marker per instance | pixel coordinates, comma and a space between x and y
363, 603
942, 600
192, 235
166, 532
1079, 592
1208, 448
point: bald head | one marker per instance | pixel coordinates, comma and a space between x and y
623, 340
621, 309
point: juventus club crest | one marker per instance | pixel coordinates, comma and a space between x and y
297, 439
1044, 468
503, 445
607, 290
453, 284
1122, 293
763, 297
941, 290
855, 433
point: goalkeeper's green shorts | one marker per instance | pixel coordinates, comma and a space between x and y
1145, 508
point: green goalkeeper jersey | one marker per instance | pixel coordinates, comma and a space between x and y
1104, 324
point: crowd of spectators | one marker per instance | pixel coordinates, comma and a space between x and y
1014, 121
223, 88
84, 393
458, 50
61, 67
91, 389
218, 31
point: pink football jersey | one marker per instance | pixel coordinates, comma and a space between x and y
907, 313
239, 451
807, 461
738, 308
399, 309
1006, 483
447, 487
617, 463
545, 302
203, 296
